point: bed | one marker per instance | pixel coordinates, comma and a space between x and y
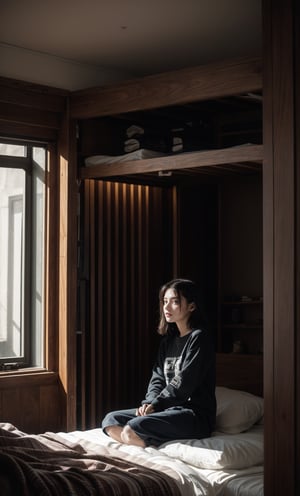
229, 463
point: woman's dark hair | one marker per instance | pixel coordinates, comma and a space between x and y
189, 290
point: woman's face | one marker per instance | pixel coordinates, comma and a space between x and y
176, 310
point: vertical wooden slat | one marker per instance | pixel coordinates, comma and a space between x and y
132, 289
116, 282
124, 280
142, 263
145, 309
108, 289
99, 253
90, 360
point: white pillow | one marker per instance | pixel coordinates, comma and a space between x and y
221, 451
237, 411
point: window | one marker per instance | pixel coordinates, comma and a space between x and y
22, 253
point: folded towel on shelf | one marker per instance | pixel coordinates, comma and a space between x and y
133, 130
119, 136
177, 148
150, 141
131, 145
177, 144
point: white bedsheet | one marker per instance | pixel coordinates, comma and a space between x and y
246, 485
192, 481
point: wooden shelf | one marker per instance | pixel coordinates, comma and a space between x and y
205, 82
243, 326
244, 158
240, 302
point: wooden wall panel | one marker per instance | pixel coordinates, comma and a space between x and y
50, 407
32, 95
11, 406
128, 261
32, 403
24, 115
250, 376
30, 110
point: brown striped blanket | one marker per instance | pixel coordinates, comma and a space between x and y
48, 465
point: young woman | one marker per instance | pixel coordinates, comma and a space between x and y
180, 400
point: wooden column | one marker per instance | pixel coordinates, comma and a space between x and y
67, 266
281, 246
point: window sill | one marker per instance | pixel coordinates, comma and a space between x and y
34, 376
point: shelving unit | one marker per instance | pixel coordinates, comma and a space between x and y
227, 95
242, 326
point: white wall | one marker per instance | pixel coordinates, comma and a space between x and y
40, 68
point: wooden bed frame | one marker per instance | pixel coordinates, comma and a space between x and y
184, 88
281, 229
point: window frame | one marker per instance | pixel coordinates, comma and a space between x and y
26, 163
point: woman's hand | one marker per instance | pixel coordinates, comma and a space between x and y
149, 409
140, 411
144, 410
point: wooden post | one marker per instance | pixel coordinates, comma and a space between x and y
281, 245
67, 284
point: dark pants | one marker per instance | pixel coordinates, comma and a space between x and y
160, 427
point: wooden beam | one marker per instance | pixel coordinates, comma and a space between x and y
171, 88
